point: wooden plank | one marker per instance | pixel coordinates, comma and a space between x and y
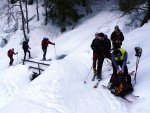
36, 68
37, 62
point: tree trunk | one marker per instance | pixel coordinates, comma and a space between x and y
30, 2
13, 1
27, 17
23, 20
88, 7
8, 13
86, 4
46, 13
37, 10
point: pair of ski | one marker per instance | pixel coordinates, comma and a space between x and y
97, 83
130, 101
22, 60
46, 60
105, 87
30, 57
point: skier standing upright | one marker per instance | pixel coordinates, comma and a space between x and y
117, 37
26, 48
103, 51
10, 55
94, 47
44, 45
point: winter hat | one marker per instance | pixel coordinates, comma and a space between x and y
117, 53
116, 27
101, 34
44, 38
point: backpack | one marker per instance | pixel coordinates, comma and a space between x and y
44, 44
122, 85
95, 45
24, 45
9, 53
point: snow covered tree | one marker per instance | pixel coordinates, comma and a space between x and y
86, 4
64, 12
129, 6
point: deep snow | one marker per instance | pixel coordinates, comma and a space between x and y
60, 88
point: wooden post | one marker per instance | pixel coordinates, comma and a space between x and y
39, 68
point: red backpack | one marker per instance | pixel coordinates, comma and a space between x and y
9, 53
44, 44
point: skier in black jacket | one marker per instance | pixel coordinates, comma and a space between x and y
117, 38
94, 47
103, 51
26, 48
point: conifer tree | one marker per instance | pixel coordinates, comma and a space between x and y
64, 12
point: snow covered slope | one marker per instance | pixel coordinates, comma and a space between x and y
60, 88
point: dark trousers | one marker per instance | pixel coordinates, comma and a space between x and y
25, 53
100, 63
95, 59
116, 45
44, 53
11, 60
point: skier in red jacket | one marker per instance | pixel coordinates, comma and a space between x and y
44, 44
10, 55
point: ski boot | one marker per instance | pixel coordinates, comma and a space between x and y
95, 74
99, 78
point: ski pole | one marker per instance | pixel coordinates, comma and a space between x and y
107, 65
88, 75
107, 61
137, 63
55, 51
138, 51
17, 58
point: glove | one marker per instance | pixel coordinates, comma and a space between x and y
54, 44
109, 85
17, 53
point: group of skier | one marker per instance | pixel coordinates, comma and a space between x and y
25, 47
120, 81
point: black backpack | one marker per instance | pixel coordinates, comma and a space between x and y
24, 45
122, 85
95, 45
8, 53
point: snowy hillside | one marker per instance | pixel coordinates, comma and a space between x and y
60, 88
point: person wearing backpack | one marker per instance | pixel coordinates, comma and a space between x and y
117, 38
103, 52
44, 45
94, 47
26, 48
10, 54
120, 82
123, 86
